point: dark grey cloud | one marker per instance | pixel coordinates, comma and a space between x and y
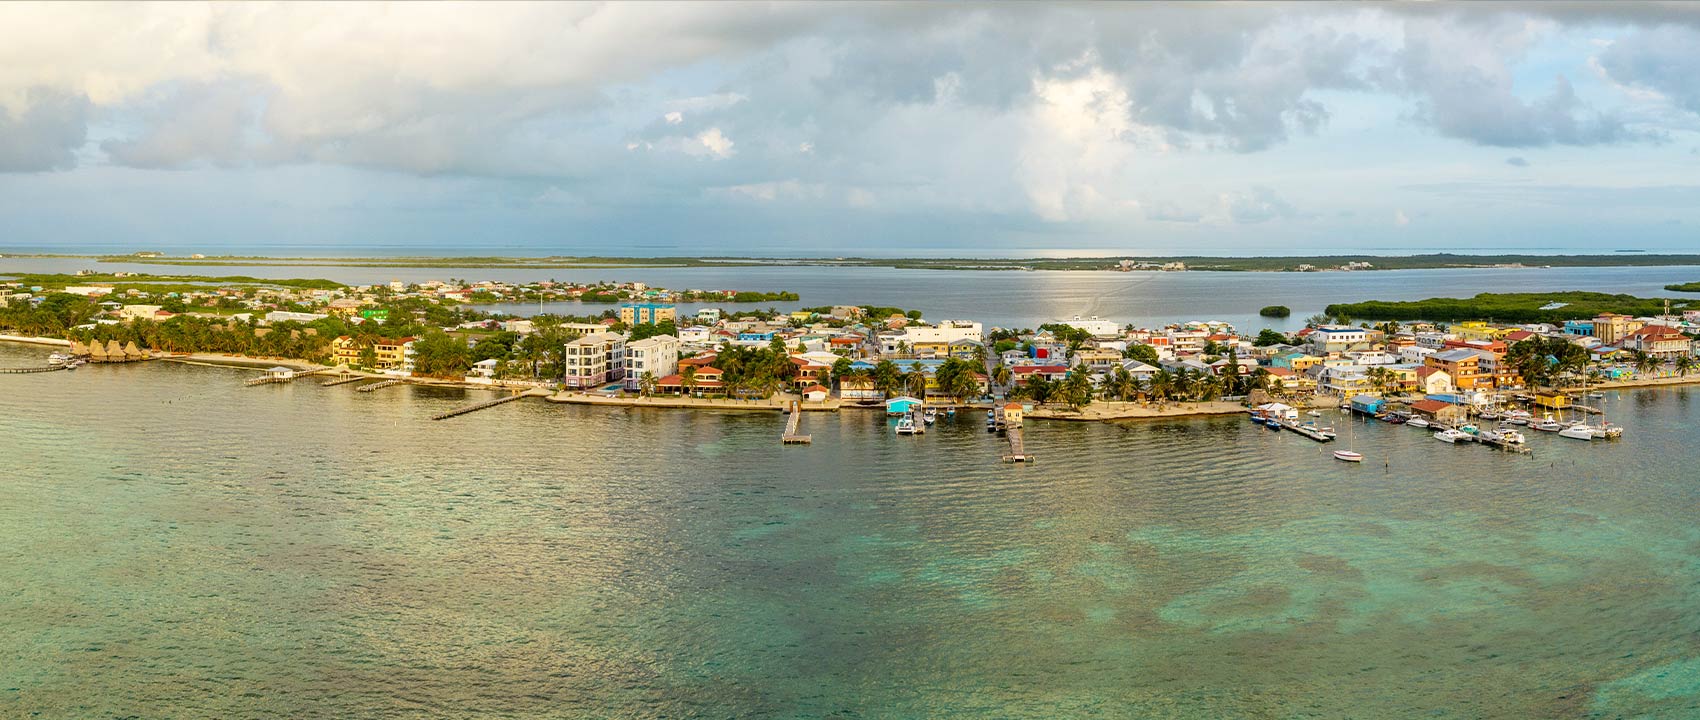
46, 134
1665, 59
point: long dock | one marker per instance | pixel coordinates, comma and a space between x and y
379, 385
268, 380
1017, 446
1308, 432
793, 426
21, 371
342, 381
464, 409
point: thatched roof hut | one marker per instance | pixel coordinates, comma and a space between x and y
97, 352
132, 352
78, 348
114, 353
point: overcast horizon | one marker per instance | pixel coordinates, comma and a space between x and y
850, 129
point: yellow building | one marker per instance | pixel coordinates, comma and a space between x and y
1612, 328
640, 313
1552, 401
1478, 330
387, 353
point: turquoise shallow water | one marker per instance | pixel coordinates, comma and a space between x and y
174, 545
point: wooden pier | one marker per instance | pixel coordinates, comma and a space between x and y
268, 380
21, 371
1309, 432
478, 406
794, 426
379, 385
342, 381
1017, 446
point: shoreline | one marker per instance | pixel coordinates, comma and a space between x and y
1105, 411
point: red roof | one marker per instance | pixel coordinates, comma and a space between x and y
1656, 331
1429, 406
1518, 335
814, 388
1280, 371
1026, 369
1012, 406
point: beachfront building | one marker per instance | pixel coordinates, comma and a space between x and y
142, 312
1432, 380
1344, 380
390, 355
1660, 341
652, 313
658, 356
594, 359
858, 389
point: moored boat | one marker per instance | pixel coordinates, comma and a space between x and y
1449, 435
1579, 431
905, 427
1417, 422
1348, 456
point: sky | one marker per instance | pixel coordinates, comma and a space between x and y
954, 129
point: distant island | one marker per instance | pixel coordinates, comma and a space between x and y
1292, 263
1693, 287
1553, 307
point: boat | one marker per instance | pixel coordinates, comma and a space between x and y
1490, 415
57, 359
1469, 428
931, 416
1314, 413
1579, 431
950, 411
1510, 435
1348, 456
1272, 423
1608, 431
1417, 422
905, 427
1450, 435
1547, 425
1597, 395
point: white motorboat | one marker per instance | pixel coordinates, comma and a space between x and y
1511, 436
1490, 415
1579, 431
57, 359
931, 416
905, 427
1348, 456
1449, 435
1608, 431
1314, 413
1417, 422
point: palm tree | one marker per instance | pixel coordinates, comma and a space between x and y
887, 378
1644, 361
688, 378
1161, 385
1000, 374
1076, 389
1684, 364
646, 383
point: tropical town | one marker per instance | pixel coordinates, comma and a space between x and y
645, 352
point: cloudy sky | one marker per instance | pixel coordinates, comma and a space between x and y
815, 128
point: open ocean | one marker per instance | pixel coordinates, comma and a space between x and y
175, 545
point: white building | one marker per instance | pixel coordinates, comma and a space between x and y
138, 312
1098, 328
945, 332
286, 316
594, 359
658, 356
